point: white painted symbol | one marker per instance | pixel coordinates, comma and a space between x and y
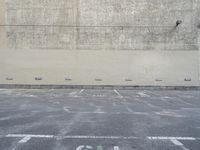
82, 147
116, 148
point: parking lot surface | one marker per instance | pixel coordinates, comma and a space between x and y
84, 119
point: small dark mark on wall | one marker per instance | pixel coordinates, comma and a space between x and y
187, 79
158, 80
98, 80
68, 79
38, 78
128, 80
9, 78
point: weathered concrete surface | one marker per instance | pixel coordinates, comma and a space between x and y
110, 42
67, 119
85, 67
110, 24
3, 36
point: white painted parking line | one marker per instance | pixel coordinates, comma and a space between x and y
118, 94
142, 94
73, 94
171, 138
103, 112
69, 136
129, 109
152, 93
66, 109
29, 135
176, 142
25, 139
77, 93
184, 148
99, 137
81, 91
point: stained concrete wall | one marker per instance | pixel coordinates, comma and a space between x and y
100, 42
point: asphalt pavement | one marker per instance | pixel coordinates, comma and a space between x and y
86, 119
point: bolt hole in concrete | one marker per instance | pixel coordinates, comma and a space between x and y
178, 22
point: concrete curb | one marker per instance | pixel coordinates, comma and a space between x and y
119, 87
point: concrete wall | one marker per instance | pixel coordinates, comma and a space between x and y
100, 42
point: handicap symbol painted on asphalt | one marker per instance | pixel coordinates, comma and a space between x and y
82, 147
88, 147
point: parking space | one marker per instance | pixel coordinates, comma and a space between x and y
84, 119
50, 142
